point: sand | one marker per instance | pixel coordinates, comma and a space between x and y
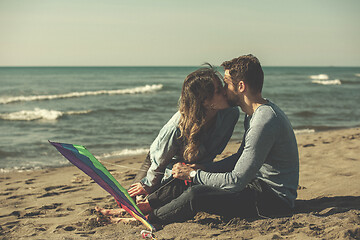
58, 203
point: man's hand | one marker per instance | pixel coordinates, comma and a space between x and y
181, 171
137, 189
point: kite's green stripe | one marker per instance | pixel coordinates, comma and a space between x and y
82, 150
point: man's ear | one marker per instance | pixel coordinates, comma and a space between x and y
241, 86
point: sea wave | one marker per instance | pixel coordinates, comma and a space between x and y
320, 77
33, 166
327, 82
124, 152
357, 74
305, 114
18, 169
136, 90
38, 114
304, 131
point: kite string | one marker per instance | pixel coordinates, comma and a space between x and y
123, 166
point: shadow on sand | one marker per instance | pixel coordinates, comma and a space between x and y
326, 206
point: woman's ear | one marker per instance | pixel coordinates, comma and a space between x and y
206, 104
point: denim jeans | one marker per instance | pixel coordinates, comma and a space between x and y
257, 198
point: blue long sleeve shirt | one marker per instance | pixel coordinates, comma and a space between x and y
268, 152
166, 150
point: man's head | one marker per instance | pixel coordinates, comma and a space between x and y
243, 70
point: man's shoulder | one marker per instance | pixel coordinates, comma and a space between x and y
268, 115
266, 112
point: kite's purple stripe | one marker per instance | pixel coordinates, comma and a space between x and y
87, 166
97, 171
78, 161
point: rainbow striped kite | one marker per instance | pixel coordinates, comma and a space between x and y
83, 159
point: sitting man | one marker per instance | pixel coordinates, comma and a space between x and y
261, 179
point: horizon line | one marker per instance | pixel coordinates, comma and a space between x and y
110, 66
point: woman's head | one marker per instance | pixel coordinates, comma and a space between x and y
202, 94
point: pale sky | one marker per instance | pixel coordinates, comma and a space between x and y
178, 32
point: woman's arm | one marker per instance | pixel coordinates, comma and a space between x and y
162, 150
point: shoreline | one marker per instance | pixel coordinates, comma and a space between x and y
110, 159
58, 203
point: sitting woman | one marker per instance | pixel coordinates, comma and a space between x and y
196, 134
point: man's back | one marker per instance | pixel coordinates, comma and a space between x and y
280, 170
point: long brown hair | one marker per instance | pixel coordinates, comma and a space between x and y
198, 86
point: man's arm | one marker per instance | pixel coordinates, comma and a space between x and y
226, 164
259, 140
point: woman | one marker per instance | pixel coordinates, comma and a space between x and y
198, 132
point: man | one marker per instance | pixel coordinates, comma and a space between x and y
261, 179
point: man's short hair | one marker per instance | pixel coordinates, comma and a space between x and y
246, 68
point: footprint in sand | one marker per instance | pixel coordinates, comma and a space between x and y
18, 214
309, 145
9, 225
98, 199
30, 181
53, 187
12, 189
12, 182
34, 213
51, 206
49, 194
66, 228
128, 177
60, 189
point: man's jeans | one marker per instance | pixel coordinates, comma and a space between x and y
257, 199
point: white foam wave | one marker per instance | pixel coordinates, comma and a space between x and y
303, 131
327, 82
357, 74
320, 77
124, 152
38, 114
136, 90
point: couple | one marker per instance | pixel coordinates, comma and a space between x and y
261, 179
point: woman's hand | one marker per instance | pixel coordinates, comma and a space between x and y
137, 189
196, 166
181, 171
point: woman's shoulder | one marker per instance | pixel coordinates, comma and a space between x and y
173, 124
175, 119
170, 130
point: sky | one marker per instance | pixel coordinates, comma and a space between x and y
178, 32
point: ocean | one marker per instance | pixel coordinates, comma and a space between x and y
117, 111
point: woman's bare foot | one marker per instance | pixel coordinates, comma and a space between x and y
144, 206
110, 212
123, 220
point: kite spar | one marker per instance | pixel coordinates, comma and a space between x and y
85, 161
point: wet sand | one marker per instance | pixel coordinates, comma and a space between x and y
59, 203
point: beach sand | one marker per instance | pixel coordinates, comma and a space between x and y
58, 203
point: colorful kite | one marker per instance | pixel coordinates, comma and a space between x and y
83, 159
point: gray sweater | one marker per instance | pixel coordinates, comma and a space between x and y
268, 152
